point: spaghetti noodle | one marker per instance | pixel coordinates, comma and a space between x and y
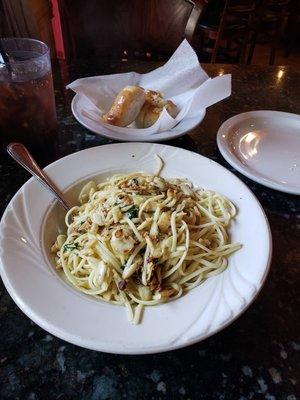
140, 240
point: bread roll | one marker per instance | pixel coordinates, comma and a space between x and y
152, 108
126, 106
148, 115
154, 98
171, 108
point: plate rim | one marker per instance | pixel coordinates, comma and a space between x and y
79, 341
238, 165
146, 139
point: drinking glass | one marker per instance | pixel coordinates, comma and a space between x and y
27, 106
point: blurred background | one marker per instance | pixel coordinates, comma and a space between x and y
264, 32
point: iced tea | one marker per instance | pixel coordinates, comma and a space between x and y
27, 106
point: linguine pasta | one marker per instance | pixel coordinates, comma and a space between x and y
140, 240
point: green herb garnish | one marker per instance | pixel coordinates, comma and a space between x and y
71, 246
133, 212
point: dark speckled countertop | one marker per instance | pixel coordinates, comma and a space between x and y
257, 357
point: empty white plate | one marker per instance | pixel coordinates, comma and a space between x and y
265, 147
80, 102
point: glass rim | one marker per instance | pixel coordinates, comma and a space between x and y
46, 49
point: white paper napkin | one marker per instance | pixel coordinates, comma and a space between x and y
181, 80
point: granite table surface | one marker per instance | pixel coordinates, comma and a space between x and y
256, 357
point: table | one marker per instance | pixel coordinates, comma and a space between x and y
254, 358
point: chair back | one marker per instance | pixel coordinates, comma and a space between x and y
119, 29
225, 26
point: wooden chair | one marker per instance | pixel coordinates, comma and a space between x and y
229, 34
270, 20
292, 31
27, 19
131, 29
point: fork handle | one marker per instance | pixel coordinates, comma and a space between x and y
20, 153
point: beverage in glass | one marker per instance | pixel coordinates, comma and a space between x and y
27, 106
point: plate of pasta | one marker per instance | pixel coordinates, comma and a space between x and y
156, 253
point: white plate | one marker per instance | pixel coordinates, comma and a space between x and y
265, 147
30, 223
80, 102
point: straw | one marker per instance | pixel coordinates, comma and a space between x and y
3, 55
4, 59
